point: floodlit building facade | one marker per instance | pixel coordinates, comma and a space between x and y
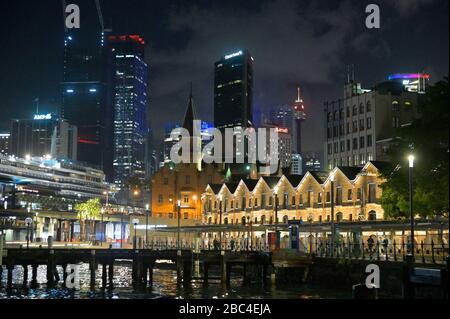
300, 197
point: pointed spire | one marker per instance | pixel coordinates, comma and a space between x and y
190, 115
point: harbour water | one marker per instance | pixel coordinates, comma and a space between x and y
164, 286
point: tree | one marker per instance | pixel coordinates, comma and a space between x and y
426, 138
88, 211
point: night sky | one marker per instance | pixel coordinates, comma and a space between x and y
293, 42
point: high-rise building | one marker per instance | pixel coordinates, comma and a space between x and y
312, 161
296, 166
299, 116
83, 85
233, 90
283, 116
4, 143
44, 135
360, 126
284, 144
129, 82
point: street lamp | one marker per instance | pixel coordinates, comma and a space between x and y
121, 226
220, 220
277, 235
147, 211
135, 222
28, 222
102, 238
411, 214
333, 230
179, 222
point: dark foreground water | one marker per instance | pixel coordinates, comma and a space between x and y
164, 286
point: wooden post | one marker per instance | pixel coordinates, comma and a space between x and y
64, 266
150, 269
34, 269
205, 272
223, 268
145, 275
25, 275
244, 274
92, 268
104, 275
111, 273
50, 268
179, 267
9, 268
137, 269
187, 272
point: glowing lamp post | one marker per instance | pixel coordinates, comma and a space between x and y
333, 229
411, 214
277, 234
179, 222
135, 222
147, 212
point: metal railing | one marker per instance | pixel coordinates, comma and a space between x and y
206, 245
424, 253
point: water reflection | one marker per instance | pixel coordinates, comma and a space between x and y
164, 286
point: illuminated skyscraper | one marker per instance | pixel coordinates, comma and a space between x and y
233, 90
129, 80
83, 86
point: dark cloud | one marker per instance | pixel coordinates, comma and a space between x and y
293, 42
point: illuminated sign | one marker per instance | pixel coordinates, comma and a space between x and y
47, 116
408, 76
232, 55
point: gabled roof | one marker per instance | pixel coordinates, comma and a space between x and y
216, 188
320, 176
378, 164
294, 179
350, 172
250, 183
232, 187
271, 181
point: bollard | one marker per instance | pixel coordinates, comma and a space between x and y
361, 291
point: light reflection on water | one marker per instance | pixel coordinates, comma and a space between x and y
164, 286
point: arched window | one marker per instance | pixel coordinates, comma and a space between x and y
285, 219
243, 220
372, 215
368, 106
339, 217
225, 221
263, 219
209, 220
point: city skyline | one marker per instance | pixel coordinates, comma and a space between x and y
175, 52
